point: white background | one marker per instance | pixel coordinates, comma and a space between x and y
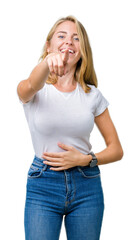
112, 27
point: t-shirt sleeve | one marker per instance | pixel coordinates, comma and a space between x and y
27, 103
101, 104
28, 107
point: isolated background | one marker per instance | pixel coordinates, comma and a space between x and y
112, 27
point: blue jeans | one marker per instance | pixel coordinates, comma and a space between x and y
75, 193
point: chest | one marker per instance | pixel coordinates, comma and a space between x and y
72, 117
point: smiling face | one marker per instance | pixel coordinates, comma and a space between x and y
66, 37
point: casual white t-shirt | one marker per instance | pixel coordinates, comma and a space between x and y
67, 117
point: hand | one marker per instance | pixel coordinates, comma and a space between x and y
64, 160
57, 62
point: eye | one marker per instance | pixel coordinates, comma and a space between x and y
76, 38
60, 36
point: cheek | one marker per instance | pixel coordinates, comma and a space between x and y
79, 52
79, 56
54, 45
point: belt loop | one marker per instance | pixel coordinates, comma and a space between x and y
45, 167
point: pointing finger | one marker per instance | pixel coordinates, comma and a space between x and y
65, 56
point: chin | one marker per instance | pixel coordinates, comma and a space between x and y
72, 62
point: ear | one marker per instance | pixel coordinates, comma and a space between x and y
47, 45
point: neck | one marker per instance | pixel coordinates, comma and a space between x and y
67, 80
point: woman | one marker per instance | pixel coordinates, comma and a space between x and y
61, 103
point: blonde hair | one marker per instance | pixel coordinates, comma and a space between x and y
84, 72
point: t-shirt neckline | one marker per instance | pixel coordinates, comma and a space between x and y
65, 93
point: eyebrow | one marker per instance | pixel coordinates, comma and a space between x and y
66, 32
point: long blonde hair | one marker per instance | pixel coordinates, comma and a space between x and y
84, 72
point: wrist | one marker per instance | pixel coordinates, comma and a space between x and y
86, 160
94, 160
97, 158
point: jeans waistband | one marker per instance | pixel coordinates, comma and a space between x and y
40, 161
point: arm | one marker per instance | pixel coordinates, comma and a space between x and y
26, 89
53, 63
72, 157
114, 151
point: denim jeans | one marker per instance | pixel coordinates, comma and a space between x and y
75, 194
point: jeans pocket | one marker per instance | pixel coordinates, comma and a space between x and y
89, 172
36, 170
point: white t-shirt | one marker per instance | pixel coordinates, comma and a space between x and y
67, 117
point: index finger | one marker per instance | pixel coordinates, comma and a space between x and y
65, 56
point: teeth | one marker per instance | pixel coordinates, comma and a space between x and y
63, 50
71, 51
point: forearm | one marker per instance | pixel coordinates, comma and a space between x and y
110, 154
39, 75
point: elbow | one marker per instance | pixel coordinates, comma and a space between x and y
120, 153
117, 151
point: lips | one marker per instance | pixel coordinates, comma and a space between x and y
70, 50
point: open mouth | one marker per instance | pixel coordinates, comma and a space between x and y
70, 50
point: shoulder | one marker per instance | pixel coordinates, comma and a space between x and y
101, 103
35, 99
94, 90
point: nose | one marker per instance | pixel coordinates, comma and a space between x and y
69, 41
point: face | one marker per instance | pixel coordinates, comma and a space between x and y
66, 37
